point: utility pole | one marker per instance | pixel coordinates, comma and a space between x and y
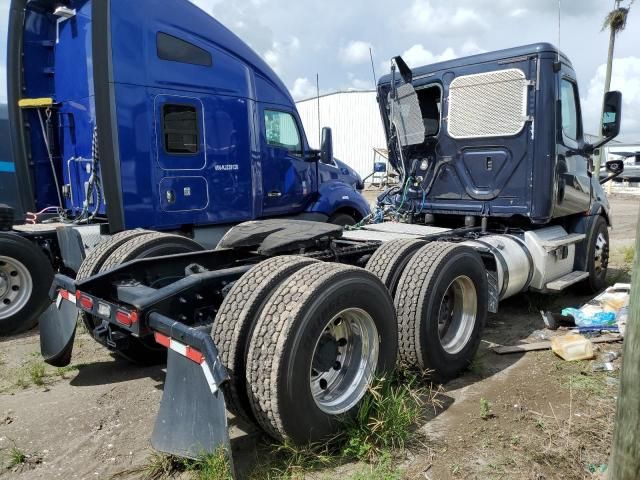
624, 463
615, 21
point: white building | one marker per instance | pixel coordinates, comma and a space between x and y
355, 122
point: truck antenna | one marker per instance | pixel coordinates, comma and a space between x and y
318, 98
373, 69
559, 10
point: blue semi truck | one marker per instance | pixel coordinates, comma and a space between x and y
286, 323
162, 129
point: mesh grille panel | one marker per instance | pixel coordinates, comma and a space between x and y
488, 104
407, 116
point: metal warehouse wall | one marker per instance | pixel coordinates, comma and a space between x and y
355, 121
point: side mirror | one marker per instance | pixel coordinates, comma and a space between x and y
611, 115
615, 168
326, 149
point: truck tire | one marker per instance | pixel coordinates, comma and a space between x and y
25, 278
236, 319
389, 261
597, 255
96, 258
144, 350
342, 219
441, 302
322, 337
6, 218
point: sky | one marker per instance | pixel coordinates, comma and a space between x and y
332, 38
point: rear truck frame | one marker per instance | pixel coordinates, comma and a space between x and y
281, 324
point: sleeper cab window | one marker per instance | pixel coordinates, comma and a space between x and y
569, 109
180, 127
175, 49
281, 131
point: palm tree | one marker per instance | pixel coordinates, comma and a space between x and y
615, 21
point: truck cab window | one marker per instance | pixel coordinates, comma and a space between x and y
180, 126
568, 99
281, 131
430, 99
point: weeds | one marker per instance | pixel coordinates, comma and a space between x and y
212, 466
160, 466
383, 469
16, 457
388, 415
628, 254
37, 373
485, 409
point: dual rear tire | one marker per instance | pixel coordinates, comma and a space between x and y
440, 296
303, 347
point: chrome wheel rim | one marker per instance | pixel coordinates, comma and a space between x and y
16, 286
601, 254
344, 361
457, 314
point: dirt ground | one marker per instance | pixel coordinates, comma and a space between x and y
527, 416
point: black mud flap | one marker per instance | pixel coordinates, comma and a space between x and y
57, 332
192, 420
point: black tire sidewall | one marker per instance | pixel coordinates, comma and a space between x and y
596, 282
39, 266
304, 420
342, 219
463, 261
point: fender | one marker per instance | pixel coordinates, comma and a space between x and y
583, 224
335, 195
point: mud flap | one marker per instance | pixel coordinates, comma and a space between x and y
57, 332
192, 420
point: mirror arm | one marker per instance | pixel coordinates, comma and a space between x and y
610, 177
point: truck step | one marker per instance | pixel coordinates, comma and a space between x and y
557, 242
563, 282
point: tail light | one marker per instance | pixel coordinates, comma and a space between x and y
85, 301
126, 318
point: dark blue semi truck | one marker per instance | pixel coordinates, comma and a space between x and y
144, 121
285, 323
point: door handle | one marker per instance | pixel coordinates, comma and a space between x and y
274, 194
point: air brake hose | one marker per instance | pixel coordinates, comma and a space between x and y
47, 144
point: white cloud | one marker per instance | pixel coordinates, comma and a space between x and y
625, 76
518, 12
422, 16
303, 88
355, 52
417, 55
274, 55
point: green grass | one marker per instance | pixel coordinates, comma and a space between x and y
628, 254
589, 384
388, 415
37, 373
16, 457
286, 461
383, 469
212, 466
485, 409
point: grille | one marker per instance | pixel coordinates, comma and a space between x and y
492, 104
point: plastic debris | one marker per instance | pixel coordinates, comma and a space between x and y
608, 311
610, 356
603, 367
572, 347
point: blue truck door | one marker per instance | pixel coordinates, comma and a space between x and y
488, 122
573, 189
287, 179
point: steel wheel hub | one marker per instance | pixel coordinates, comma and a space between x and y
601, 254
16, 286
457, 314
344, 361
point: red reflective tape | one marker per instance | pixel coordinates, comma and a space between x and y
194, 355
162, 339
64, 294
